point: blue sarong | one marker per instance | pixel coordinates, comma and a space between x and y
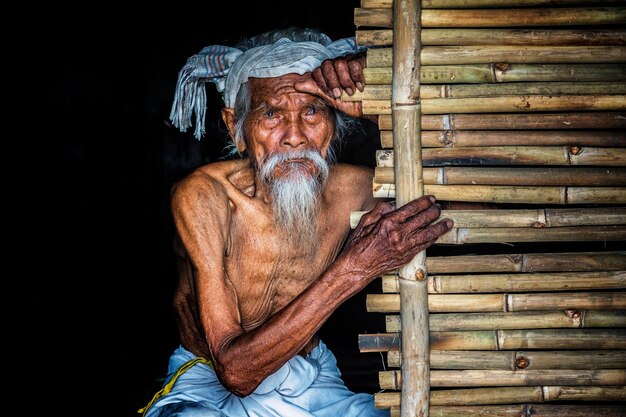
303, 387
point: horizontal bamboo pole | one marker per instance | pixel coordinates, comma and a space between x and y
383, 91
510, 395
511, 17
468, 4
384, 37
514, 155
520, 320
477, 303
503, 73
501, 378
540, 218
512, 360
520, 121
469, 138
510, 54
579, 176
519, 195
524, 410
517, 282
533, 339
513, 104
528, 262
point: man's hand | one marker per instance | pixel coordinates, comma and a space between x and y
387, 238
334, 76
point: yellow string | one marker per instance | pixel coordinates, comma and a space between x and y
168, 387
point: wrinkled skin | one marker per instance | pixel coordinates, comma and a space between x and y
247, 298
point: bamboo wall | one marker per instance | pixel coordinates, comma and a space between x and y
521, 105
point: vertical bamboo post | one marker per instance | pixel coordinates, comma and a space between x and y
410, 185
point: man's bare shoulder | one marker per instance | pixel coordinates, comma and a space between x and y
352, 182
215, 183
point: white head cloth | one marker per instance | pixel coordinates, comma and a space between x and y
229, 68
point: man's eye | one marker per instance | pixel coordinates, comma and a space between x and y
270, 114
311, 111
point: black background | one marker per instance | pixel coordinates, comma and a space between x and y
104, 322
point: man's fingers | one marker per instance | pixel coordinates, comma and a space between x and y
376, 213
318, 77
423, 218
345, 79
432, 232
331, 78
412, 208
356, 73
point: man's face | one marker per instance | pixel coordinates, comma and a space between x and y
283, 120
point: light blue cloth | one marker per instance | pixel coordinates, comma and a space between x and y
303, 387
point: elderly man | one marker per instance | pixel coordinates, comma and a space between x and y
265, 249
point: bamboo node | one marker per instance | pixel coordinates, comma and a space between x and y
420, 275
572, 313
538, 224
522, 362
575, 150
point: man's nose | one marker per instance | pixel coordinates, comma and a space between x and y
294, 136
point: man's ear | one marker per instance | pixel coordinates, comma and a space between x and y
228, 116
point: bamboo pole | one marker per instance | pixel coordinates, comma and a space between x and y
500, 378
406, 109
579, 176
383, 92
470, 138
513, 104
431, 37
468, 4
476, 303
510, 17
538, 281
528, 262
510, 54
380, 73
512, 360
534, 339
565, 121
463, 235
520, 320
510, 395
524, 410
519, 194
540, 218
514, 155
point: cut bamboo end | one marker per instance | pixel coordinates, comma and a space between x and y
512, 360
519, 121
477, 303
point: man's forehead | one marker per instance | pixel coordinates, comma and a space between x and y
274, 90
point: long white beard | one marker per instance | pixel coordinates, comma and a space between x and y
296, 194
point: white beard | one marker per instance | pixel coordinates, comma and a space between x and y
296, 194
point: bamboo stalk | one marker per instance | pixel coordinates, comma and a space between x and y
535, 410
555, 281
468, 4
519, 320
510, 54
500, 378
539, 218
508, 395
578, 176
557, 359
519, 194
470, 138
383, 92
535, 339
462, 37
528, 262
476, 303
514, 155
582, 120
513, 104
406, 109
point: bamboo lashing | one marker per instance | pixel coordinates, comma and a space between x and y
522, 105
